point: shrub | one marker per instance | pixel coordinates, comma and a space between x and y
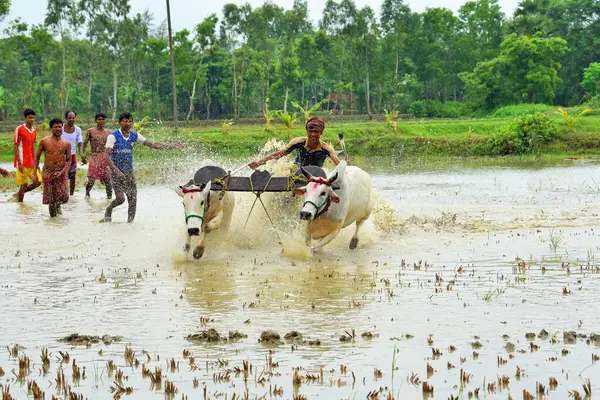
525, 135
435, 109
455, 109
425, 108
594, 104
517, 110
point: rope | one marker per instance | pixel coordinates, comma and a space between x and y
224, 182
257, 194
293, 178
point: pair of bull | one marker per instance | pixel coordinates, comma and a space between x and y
327, 207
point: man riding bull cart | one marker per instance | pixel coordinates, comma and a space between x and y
208, 203
310, 149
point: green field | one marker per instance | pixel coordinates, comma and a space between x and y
415, 138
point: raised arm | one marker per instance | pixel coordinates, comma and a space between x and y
334, 158
273, 156
332, 154
163, 146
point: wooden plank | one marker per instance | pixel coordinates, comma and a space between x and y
258, 182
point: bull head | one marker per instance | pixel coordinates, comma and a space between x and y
195, 203
319, 194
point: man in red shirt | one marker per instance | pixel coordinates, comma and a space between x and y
24, 143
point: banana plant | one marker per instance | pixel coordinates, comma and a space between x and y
307, 112
269, 116
288, 120
391, 120
571, 120
225, 126
140, 125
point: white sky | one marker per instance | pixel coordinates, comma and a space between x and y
188, 13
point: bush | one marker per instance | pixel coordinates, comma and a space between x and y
425, 108
594, 104
435, 109
455, 109
525, 135
517, 110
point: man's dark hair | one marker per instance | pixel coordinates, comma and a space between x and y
100, 115
55, 121
70, 111
125, 115
28, 112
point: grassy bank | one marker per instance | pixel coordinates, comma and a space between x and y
416, 138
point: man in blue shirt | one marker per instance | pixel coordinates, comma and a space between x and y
119, 156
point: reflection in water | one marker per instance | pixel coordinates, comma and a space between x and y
440, 260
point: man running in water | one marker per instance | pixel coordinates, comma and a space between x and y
119, 157
24, 141
98, 167
72, 133
57, 162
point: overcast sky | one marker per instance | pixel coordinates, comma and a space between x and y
188, 13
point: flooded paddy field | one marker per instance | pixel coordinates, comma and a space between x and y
469, 282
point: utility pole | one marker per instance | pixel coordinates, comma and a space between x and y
174, 88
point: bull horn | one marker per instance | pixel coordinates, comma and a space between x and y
333, 178
306, 173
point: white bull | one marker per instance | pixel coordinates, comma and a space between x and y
205, 211
328, 211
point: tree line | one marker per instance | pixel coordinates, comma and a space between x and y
94, 55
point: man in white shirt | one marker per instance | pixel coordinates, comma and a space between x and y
72, 133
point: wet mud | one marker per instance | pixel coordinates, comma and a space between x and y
474, 283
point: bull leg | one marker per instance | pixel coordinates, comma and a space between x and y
187, 246
214, 223
354, 240
199, 250
326, 239
307, 235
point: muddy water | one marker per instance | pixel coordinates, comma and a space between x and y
437, 268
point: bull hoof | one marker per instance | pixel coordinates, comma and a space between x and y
186, 248
198, 252
353, 243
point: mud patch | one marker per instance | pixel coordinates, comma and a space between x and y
76, 339
270, 337
208, 336
236, 335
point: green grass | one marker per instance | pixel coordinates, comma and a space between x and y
416, 138
493, 293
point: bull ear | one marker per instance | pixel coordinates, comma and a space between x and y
334, 197
300, 191
307, 174
179, 191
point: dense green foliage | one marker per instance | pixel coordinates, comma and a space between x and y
429, 138
94, 55
517, 110
525, 135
